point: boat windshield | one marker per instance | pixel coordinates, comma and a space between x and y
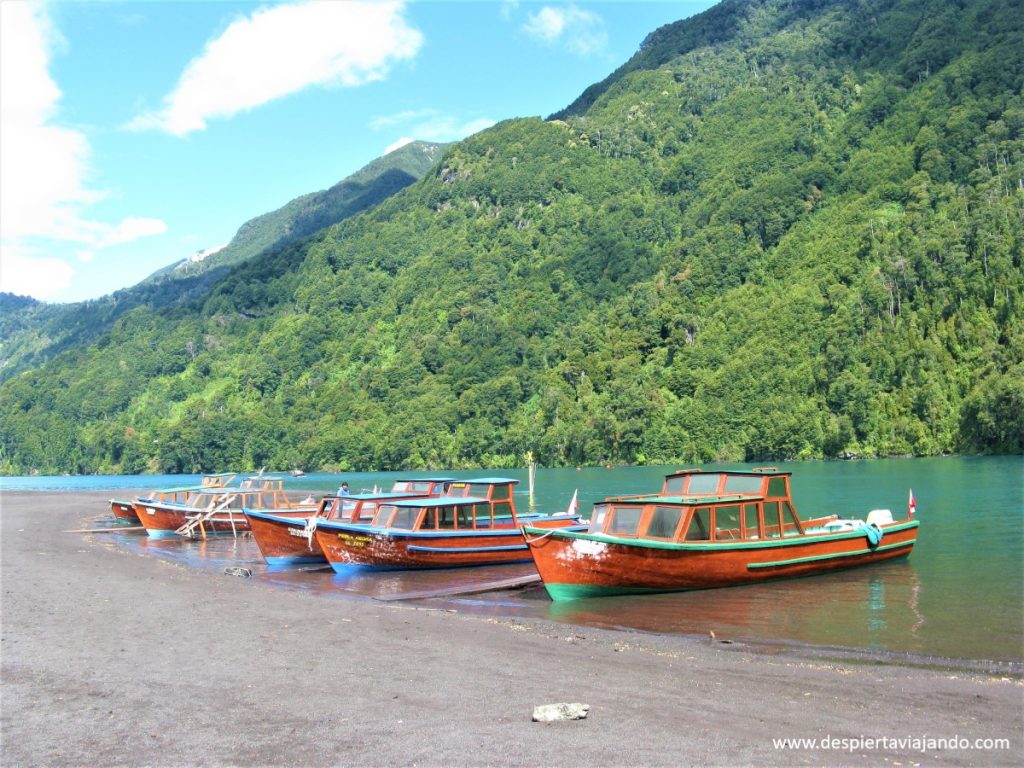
743, 484
597, 517
624, 521
701, 484
663, 523
383, 516
405, 518
413, 486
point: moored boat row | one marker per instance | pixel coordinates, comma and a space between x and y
704, 528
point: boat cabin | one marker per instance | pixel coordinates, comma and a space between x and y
498, 491
470, 505
256, 492
218, 480
424, 486
700, 506
361, 507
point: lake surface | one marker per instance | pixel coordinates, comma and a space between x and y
959, 596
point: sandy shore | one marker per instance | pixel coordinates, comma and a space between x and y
116, 658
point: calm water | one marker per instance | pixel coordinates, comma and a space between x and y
960, 595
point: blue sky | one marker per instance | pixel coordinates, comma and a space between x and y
135, 134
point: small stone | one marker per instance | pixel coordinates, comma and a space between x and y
549, 713
235, 570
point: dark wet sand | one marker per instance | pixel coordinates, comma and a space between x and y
115, 658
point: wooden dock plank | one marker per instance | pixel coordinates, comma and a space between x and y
467, 589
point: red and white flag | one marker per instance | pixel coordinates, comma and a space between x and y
911, 504
574, 504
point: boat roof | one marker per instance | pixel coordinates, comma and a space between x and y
695, 500
487, 481
182, 488
440, 501
756, 471
429, 479
379, 496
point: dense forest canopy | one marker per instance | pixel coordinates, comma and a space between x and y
795, 235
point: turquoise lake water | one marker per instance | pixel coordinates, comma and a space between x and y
960, 595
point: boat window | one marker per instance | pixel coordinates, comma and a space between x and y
777, 487
446, 517
405, 518
703, 483
597, 518
727, 522
429, 521
751, 527
664, 521
383, 516
465, 516
674, 486
771, 520
422, 486
480, 490
400, 485
624, 521
458, 489
743, 484
366, 512
500, 493
791, 526
700, 525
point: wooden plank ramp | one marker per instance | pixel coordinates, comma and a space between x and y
466, 589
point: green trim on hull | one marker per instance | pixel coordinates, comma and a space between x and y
834, 556
558, 592
713, 546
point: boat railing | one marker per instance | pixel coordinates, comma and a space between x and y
198, 521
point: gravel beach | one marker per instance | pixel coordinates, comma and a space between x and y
111, 657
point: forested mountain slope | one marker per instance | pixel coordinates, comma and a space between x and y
32, 333
801, 237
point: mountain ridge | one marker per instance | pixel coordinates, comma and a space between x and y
35, 332
803, 241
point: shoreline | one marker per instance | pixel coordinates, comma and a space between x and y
112, 658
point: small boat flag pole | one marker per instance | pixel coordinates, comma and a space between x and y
531, 471
574, 503
911, 504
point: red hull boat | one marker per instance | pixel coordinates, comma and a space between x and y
708, 529
287, 538
124, 510
478, 527
204, 510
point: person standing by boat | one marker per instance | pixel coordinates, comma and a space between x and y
343, 491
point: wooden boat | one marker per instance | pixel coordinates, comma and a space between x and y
123, 510
475, 524
209, 509
718, 528
286, 538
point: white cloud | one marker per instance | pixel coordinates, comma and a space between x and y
282, 50
398, 144
44, 167
27, 274
582, 32
131, 228
430, 125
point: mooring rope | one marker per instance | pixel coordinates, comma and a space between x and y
309, 530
